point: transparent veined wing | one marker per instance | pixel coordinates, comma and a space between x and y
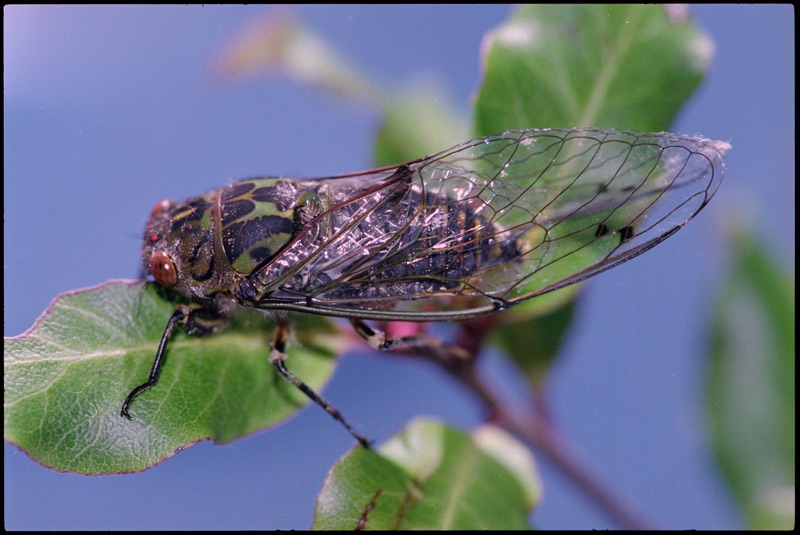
490, 223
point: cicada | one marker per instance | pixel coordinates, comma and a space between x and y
468, 231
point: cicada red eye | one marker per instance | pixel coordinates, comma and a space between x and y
162, 269
162, 206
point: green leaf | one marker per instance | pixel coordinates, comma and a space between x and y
751, 394
608, 66
533, 343
417, 122
66, 377
432, 477
548, 66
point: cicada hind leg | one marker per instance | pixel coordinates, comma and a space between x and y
458, 359
426, 345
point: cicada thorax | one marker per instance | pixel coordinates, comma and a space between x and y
257, 220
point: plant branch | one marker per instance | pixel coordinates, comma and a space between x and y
535, 428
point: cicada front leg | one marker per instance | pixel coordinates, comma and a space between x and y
277, 357
195, 320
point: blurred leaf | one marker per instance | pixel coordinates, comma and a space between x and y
751, 394
431, 477
417, 122
618, 66
533, 343
66, 377
277, 43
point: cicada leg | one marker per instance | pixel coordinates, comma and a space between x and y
195, 320
277, 357
456, 359
425, 344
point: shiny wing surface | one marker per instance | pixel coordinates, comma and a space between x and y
491, 222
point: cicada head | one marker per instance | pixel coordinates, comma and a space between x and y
157, 260
178, 248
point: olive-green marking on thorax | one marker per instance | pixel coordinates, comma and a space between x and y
193, 217
257, 221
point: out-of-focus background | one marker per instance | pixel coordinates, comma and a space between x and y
110, 109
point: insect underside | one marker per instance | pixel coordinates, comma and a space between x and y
469, 231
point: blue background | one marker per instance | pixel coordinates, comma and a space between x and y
109, 109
